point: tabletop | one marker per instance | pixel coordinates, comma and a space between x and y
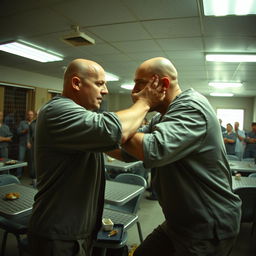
118, 193
22, 205
120, 165
243, 182
242, 166
13, 166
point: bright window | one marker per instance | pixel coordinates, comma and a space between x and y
231, 116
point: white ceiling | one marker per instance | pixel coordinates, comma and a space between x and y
128, 32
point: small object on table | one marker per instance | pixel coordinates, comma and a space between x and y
107, 224
238, 176
12, 196
113, 232
9, 162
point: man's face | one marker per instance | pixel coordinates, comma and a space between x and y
229, 128
142, 77
236, 125
30, 116
254, 128
92, 89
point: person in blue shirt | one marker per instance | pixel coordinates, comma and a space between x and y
5, 137
250, 149
229, 138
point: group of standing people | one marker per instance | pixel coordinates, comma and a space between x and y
25, 133
239, 143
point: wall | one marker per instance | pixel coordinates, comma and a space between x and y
254, 110
17, 76
236, 103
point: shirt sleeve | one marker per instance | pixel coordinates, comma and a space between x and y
180, 132
76, 128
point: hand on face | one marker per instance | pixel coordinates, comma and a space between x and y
153, 92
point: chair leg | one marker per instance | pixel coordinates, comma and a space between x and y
140, 232
4, 243
19, 244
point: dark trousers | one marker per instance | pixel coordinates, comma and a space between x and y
158, 243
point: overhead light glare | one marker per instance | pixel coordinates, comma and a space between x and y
223, 85
229, 7
30, 51
231, 57
216, 94
111, 77
127, 86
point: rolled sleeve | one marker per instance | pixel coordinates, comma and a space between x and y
178, 134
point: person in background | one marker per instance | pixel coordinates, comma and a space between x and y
5, 137
229, 138
30, 146
69, 140
23, 133
193, 179
223, 129
250, 149
240, 137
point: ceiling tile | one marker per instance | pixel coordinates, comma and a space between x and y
120, 32
186, 27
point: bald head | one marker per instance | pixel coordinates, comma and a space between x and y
80, 68
84, 83
160, 66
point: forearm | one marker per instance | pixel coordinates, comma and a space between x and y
132, 118
134, 146
115, 154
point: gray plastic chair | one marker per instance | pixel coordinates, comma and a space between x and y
233, 158
248, 197
17, 226
133, 205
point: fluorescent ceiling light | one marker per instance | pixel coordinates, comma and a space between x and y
30, 51
111, 77
225, 84
127, 86
231, 57
221, 94
229, 7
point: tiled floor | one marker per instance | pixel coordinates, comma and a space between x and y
151, 216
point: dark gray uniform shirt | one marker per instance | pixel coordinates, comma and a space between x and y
70, 169
230, 147
193, 179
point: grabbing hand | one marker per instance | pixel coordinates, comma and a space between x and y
153, 93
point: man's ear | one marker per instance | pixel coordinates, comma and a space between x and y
76, 83
165, 82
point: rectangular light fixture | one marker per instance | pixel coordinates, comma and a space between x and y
30, 51
229, 7
223, 85
127, 86
231, 57
111, 77
216, 94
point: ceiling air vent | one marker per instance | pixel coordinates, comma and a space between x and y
78, 38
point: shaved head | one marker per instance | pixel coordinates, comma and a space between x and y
160, 66
80, 68
168, 79
84, 83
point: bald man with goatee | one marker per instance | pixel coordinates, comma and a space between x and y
69, 141
184, 144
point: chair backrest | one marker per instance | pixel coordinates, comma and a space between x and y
248, 197
248, 159
252, 175
232, 157
133, 205
6, 179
